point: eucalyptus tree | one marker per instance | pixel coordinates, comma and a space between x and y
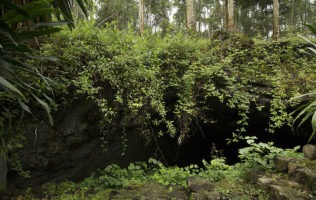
276, 20
229, 15
190, 15
141, 17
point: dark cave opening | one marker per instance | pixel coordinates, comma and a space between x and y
202, 144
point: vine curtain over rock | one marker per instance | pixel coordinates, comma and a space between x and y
168, 85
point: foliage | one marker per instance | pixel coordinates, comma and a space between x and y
239, 190
307, 110
262, 154
173, 84
21, 82
217, 169
229, 180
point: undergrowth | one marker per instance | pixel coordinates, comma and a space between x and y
168, 85
230, 179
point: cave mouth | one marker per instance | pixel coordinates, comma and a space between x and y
203, 146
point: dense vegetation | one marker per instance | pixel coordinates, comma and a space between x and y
166, 80
166, 85
233, 181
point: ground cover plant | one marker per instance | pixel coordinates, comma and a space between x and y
231, 180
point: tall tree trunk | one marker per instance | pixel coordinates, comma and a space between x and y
141, 17
230, 15
276, 25
190, 15
292, 16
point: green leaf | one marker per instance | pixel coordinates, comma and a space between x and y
25, 107
46, 107
307, 115
64, 6
314, 122
304, 111
8, 85
82, 7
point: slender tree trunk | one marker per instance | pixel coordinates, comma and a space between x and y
225, 13
141, 17
276, 25
230, 15
190, 15
292, 16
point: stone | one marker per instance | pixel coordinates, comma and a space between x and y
307, 177
207, 195
287, 193
196, 184
281, 163
3, 174
252, 175
309, 151
265, 181
292, 168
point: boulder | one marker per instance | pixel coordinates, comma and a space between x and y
309, 151
305, 176
286, 193
196, 184
265, 181
292, 167
252, 175
205, 195
281, 163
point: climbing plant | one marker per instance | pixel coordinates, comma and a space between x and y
172, 84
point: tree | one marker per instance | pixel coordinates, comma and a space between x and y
230, 25
190, 15
276, 18
141, 17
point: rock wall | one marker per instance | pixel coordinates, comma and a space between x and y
71, 150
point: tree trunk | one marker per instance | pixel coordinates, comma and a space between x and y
292, 16
141, 17
190, 15
230, 15
276, 25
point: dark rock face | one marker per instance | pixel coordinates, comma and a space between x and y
71, 149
